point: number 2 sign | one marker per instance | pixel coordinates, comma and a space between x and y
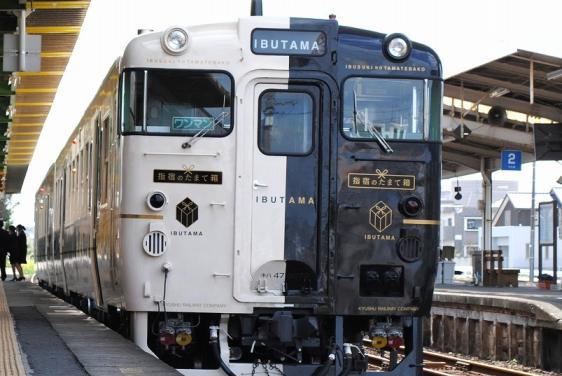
511, 160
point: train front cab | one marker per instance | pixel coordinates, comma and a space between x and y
327, 167
345, 174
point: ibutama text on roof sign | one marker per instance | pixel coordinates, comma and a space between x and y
287, 42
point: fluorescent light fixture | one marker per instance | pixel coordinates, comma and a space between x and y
554, 74
498, 92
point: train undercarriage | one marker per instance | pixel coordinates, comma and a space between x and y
289, 342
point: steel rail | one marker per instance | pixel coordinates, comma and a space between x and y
475, 366
462, 365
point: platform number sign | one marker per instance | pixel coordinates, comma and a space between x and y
511, 160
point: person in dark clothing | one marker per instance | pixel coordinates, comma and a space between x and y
21, 250
4, 244
14, 253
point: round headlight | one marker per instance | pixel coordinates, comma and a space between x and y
397, 46
174, 40
156, 200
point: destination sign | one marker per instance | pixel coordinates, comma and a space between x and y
187, 176
288, 42
381, 180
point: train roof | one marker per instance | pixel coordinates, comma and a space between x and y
224, 45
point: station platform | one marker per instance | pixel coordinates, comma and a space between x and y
543, 305
43, 335
522, 324
526, 292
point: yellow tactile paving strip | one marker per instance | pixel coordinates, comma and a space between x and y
10, 357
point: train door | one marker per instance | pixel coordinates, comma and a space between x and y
42, 237
94, 158
289, 188
54, 250
64, 206
48, 231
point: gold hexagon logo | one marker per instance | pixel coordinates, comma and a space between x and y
380, 216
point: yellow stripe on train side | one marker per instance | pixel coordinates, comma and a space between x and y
431, 222
141, 216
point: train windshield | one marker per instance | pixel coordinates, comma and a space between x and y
176, 102
389, 108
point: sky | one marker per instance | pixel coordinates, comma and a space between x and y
464, 33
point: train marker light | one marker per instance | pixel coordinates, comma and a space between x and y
174, 40
411, 206
156, 201
397, 47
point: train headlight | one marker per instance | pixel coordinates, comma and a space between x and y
156, 201
397, 47
174, 40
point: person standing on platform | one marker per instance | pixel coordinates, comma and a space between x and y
13, 251
21, 250
4, 244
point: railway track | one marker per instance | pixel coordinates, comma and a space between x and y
437, 364
444, 364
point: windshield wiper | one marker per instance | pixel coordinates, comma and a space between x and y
380, 139
354, 130
216, 120
371, 128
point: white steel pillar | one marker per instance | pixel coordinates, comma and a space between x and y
486, 210
533, 224
22, 39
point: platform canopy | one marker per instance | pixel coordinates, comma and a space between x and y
26, 97
527, 85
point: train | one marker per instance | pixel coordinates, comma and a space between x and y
254, 197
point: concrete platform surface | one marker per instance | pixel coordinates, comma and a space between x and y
11, 363
56, 338
543, 305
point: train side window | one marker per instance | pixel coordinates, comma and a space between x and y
89, 181
132, 100
66, 194
104, 160
76, 188
286, 121
82, 178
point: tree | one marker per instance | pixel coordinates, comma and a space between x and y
6, 208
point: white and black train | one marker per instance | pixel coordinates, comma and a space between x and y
256, 196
